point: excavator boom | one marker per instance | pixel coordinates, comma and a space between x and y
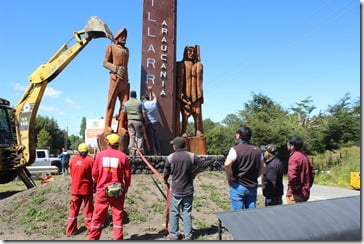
27, 107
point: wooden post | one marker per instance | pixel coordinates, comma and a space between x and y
158, 64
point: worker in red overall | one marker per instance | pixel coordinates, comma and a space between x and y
112, 175
81, 189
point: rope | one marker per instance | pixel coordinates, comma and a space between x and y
160, 177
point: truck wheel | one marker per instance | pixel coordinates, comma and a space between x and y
7, 176
58, 164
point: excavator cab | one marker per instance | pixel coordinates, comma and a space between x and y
7, 141
7, 132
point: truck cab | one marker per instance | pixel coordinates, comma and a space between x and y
45, 163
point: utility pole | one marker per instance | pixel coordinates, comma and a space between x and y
66, 140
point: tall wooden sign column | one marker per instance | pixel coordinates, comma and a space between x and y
158, 63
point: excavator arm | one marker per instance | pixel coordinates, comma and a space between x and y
27, 107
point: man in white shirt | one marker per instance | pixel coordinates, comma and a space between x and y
150, 106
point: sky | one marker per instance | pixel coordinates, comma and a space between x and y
286, 50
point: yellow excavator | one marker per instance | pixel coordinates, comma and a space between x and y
17, 125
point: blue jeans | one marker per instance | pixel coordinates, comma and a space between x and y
185, 203
242, 197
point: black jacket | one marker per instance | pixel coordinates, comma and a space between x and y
272, 181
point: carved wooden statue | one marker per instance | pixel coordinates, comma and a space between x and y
116, 61
189, 90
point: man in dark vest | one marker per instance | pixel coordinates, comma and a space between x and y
243, 165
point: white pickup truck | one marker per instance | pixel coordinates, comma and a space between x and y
45, 163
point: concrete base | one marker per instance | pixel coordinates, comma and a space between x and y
196, 145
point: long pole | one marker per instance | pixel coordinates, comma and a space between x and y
66, 140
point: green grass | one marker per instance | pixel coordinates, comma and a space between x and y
333, 168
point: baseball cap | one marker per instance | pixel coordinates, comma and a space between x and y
270, 148
113, 139
179, 142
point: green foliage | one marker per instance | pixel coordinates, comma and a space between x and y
334, 167
83, 128
271, 124
219, 139
267, 120
303, 110
44, 139
50, 126
74, 141
343, 124
37, 219
190, 130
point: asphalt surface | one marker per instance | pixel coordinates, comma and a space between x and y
321, 192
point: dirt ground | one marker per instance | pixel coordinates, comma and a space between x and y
41, 213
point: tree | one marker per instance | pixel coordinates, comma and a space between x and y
268, 121
83, 128
44, 139
303, 111
310, 128
343, 124
51, 126
218, 137
219, 140
74, 142
232, 122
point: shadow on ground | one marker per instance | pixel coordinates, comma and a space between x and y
7, 194
163, 234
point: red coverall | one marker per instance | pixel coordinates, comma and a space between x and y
110, 166
81, 190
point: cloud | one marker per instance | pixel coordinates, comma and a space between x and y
51, 92
47, 108
72, 103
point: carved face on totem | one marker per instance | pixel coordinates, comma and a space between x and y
191, 53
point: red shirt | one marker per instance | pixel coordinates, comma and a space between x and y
300, 175
111, 166
81, 173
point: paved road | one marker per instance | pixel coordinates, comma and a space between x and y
320, 192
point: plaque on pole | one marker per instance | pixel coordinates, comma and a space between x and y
158, 64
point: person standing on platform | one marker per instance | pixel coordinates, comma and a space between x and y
136, 120
150, 105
